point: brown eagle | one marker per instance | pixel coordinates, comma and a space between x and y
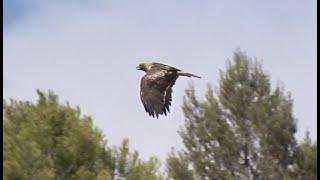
156, 87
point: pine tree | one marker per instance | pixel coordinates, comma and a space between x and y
49, 140
177, 166
131, 167
305, 161
243, 130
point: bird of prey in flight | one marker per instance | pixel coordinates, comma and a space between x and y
156, 87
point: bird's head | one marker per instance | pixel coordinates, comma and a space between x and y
144, 67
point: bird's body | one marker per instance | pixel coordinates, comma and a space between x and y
156, 87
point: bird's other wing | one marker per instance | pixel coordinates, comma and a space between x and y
164, 67
153, 91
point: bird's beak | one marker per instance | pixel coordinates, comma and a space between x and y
138, 68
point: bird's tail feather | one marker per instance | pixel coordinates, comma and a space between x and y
181, 73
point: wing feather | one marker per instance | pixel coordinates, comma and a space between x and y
168, 96
155, 91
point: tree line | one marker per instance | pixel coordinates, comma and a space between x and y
243, 129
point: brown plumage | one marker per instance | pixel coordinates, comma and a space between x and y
156, 87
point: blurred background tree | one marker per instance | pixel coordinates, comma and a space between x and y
243, 130
304, 166
47, 140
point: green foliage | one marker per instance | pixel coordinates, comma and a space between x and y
104, 175
305, 162
50, 141
133, 168
145, 170
177, 167
47, 140
83, 174
244, 130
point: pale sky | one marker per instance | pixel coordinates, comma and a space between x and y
87, 51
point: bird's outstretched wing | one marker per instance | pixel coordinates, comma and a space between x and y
156, 90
